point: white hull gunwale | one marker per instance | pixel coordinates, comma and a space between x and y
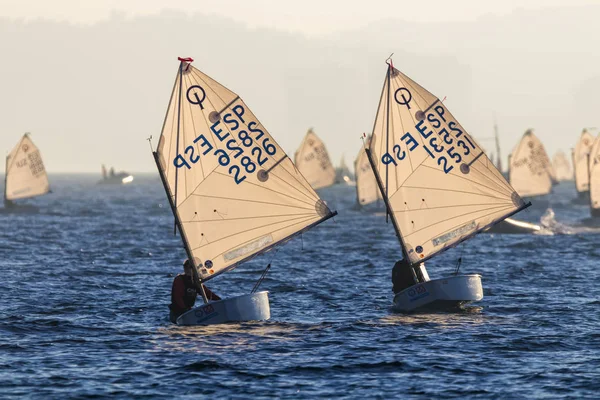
247, 307
443, 293
514, 226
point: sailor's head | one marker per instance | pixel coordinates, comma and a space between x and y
187, 267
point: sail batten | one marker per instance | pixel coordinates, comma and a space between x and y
234, 191
441, 186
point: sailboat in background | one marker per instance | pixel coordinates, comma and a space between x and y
312, 160
562, 167
530, 171
367, 191
594, 167
509, 225
234, 192
580, 156
114, 178
343, 174
439, 188
25, 176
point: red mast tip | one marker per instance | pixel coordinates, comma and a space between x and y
185, 59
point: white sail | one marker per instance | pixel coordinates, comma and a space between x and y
234, 190
367, 191
562, 167
439, 185
581, 162
529, 168
312, 160
595, 174
25, 172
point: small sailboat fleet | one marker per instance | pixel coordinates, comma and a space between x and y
234, 192
438, 186
25, 176
313, 162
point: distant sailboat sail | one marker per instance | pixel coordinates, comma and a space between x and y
25, 172
439, 186
367, 191
581, 162
530, 168
312, 160
234, 192
562, 167
595, 177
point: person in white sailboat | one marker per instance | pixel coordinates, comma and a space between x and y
184, 292
404, 276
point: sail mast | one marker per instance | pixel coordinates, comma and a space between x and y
384, 190
186, 245
498, 156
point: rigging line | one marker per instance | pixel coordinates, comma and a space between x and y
207, 221
475, 183
387, 135
298, 220
498, 208
251, 201
309, 190
271, 190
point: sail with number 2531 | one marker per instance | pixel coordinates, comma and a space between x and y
439, 186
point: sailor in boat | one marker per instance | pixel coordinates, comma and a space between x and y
404, 276
184, 293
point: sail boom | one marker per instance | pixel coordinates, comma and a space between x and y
469, 236
271, 246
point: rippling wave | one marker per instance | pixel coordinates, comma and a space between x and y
86, 283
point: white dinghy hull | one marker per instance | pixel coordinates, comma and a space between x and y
248, 307
440, 293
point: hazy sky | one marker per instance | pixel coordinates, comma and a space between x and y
92, 84
306, 16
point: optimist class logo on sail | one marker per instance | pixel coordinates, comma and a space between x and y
248, 146
450, 143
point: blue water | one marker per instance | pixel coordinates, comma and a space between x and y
86, 282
